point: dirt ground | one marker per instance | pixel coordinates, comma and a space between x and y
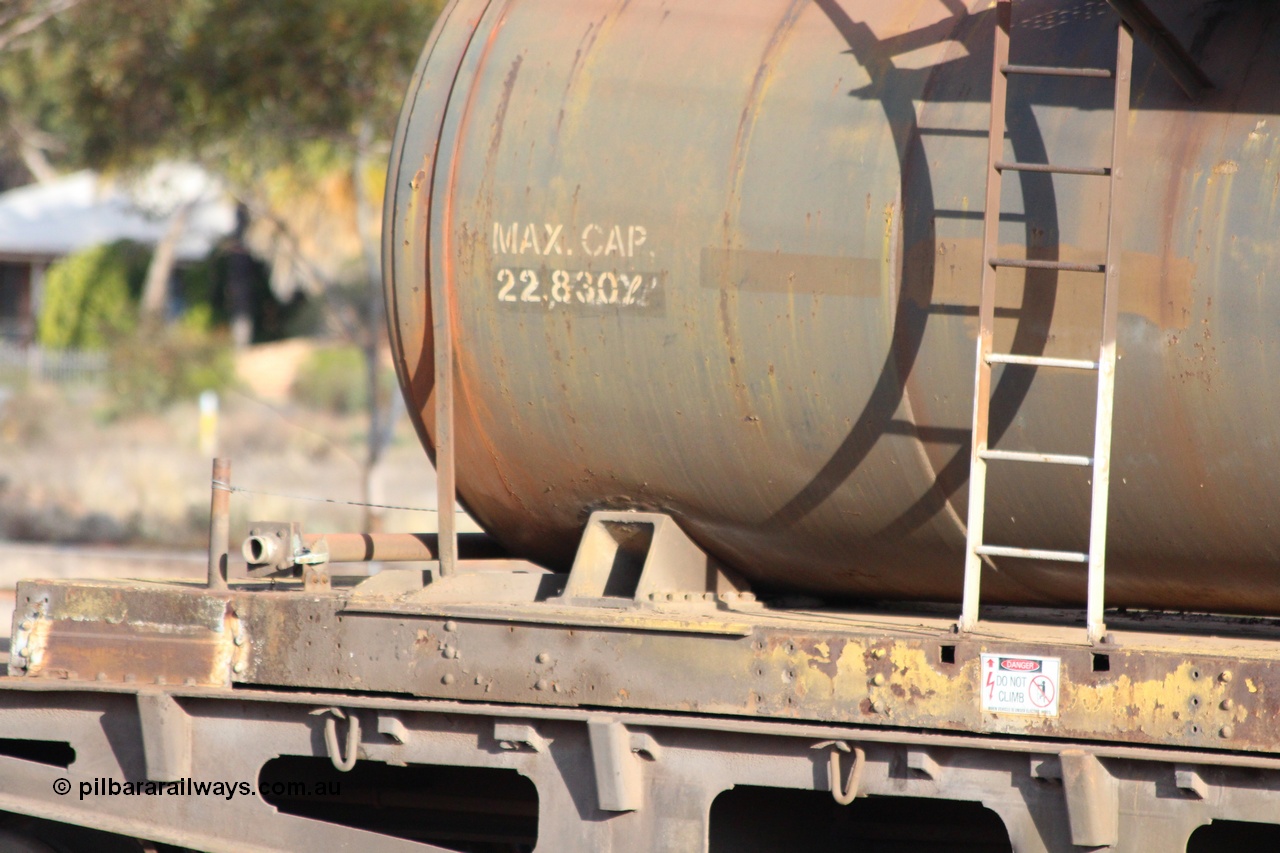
69, 477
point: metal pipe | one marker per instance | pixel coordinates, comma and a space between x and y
397, 547
219, 523
367, 547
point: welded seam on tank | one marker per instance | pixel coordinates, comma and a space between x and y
1013, 387
737, 170
1183, 162
392, 227
447, 266
905, 346
446, 473
1219, 203
934, 492
896, 294
905, 343
578, 85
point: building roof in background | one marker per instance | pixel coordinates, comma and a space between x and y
85, 209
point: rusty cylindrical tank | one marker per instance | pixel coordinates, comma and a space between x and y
721, 260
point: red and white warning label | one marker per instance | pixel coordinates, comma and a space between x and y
1020, 684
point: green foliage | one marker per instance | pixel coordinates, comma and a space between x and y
91, 297
332, 379
156, 367
234, 83
199, 318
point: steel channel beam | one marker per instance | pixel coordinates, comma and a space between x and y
1154, 690
691, 761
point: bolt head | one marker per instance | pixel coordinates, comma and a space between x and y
1227, 731
543, 657
451, 625
1225, 676
540, 684
878, 679
1228, 704
239, 667
447, 678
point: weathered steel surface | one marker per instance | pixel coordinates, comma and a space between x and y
1166, 794
721, 260
883, 671
110, 632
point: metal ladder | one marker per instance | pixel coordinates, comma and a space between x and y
977, 549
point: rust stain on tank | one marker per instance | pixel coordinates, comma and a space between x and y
500, 117
577, 85
737, 163
579, 55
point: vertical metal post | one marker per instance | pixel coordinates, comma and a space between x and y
219, 523
986, 322
1107, 352
446, 520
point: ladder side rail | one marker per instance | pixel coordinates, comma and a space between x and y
1107, 350
986, 322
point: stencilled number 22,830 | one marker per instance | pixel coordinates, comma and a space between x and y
580, 287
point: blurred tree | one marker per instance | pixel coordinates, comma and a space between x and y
20, 17
23, 146
240, 85
279, 98
89, 297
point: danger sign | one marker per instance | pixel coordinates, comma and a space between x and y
1020, 684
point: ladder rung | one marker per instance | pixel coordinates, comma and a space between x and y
1055, 71
1049, 458
1098, 171
1032, 554
1064, 266
1041, 361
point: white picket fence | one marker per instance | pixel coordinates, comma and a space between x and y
34, 363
